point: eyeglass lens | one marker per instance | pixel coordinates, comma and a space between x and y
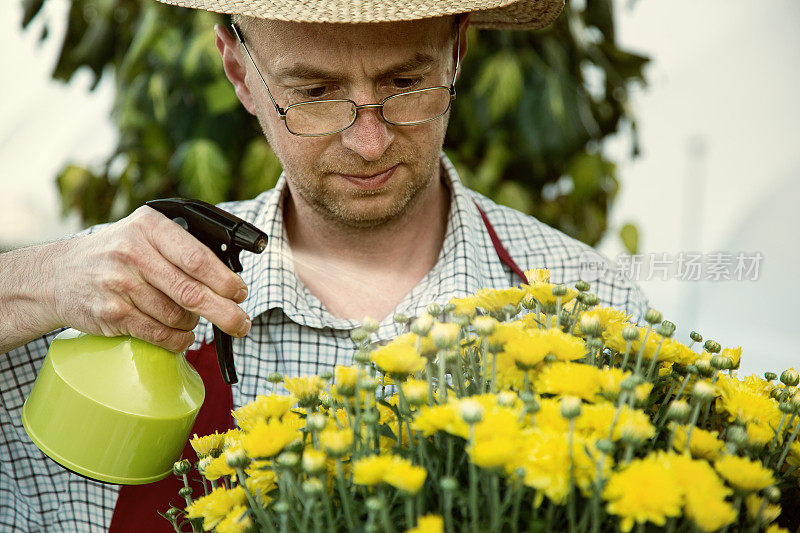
329, 116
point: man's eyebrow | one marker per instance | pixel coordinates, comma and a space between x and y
302, 71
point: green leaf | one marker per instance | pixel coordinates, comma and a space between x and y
202, 166
514, 195
630, 238
220, 97
259, 169
501, 83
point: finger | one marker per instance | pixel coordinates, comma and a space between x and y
142, 326
182, 249
189, 293
157, 305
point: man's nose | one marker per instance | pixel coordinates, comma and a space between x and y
370, 135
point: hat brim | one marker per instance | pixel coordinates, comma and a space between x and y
488, 14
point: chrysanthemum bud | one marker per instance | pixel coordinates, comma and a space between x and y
506, 398
295, 446
704, 368
786, 407
703, 392
313, 461
370, 325
590, 325
679, 411
570, 407
606, 446
449, 308
288, 459
550, 358
581, 285
371, 417
316, 422
630, 383
630, 333
359, 335
653, 317
434, 310
203, 463
595, 343
444, 335
275, 377
361, 356
422, 325
769, 376
590, 300
530, 403
795, 401
185, 492
712, 346
565, 319
560, 290
367, 383
312, 487
281, 507
696, 337
665, 331
737, 435
374, 504
236, 458
717, 362
471, 411
181, 467
511, 310
326, 375
451, 356
448, 484
773, 494
400, 318
692, 369
790, 377
172, 513
775, 394
528, 302
669, 324
484, 325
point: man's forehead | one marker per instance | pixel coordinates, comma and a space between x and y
273, 37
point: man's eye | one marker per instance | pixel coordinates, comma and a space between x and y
405, 83
314, 92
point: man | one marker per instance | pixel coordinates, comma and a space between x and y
368, 219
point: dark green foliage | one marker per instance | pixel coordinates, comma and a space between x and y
525, 117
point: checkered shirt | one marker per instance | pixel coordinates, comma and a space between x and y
292, 333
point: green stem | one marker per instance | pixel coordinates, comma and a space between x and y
348, 517
692, 422
495, 492
442, 382
410, 522
571, 493
494, 372
640, 355
627, 354
261, 514
786, 447
654, 361
473, 485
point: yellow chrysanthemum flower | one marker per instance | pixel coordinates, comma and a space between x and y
208, 444
741, 402
704, 444
405, 476
542, 292
263, 408
346, 378
607, 316
415, 390
494, 300
644, 491
769, 513
569, 379
759, 434
735, 355
214, 507
538, 275
336, 442
610, 381
399, 357
463, 306
433, 418
493, 453
267, 439
775, 528
260, 480
612, 337
704, 493
744, 474
236, 521
306, 389
372, 469
218, 467
232, 438
430, 523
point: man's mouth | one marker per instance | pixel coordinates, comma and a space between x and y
370, 181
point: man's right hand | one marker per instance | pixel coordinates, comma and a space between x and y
143, 276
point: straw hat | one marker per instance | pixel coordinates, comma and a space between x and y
492, 14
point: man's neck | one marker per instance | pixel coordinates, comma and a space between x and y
367, 271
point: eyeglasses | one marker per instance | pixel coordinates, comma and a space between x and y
317, 118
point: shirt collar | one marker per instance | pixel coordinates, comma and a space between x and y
467, 262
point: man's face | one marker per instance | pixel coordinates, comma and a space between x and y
372, 172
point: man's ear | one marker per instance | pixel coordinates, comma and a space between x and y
233, 63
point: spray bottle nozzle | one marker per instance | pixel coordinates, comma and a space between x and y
226, 235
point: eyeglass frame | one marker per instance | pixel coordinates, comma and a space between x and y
282, 112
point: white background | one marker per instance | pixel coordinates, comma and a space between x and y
718, 172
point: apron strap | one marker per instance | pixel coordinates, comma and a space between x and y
502, 253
